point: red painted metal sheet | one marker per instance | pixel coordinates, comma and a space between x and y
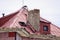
11, 34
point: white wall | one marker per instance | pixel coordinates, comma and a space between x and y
18, 37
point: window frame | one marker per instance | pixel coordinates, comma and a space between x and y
45, 28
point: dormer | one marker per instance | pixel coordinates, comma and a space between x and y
44, 26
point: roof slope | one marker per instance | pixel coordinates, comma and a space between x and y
55, 30
44, 20
5, 19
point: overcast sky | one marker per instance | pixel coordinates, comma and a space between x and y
49, 9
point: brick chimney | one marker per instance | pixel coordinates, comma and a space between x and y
34, 18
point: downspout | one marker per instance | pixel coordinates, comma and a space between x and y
15, 35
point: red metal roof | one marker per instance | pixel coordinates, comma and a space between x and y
10, 20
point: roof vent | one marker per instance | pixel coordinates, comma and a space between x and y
3, 14
25, 7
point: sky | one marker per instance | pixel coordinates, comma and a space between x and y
49, 9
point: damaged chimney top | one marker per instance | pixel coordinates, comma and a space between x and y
36, 10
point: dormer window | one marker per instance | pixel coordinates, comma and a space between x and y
22, 23
45, 28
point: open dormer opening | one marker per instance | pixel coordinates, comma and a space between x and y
22, 23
